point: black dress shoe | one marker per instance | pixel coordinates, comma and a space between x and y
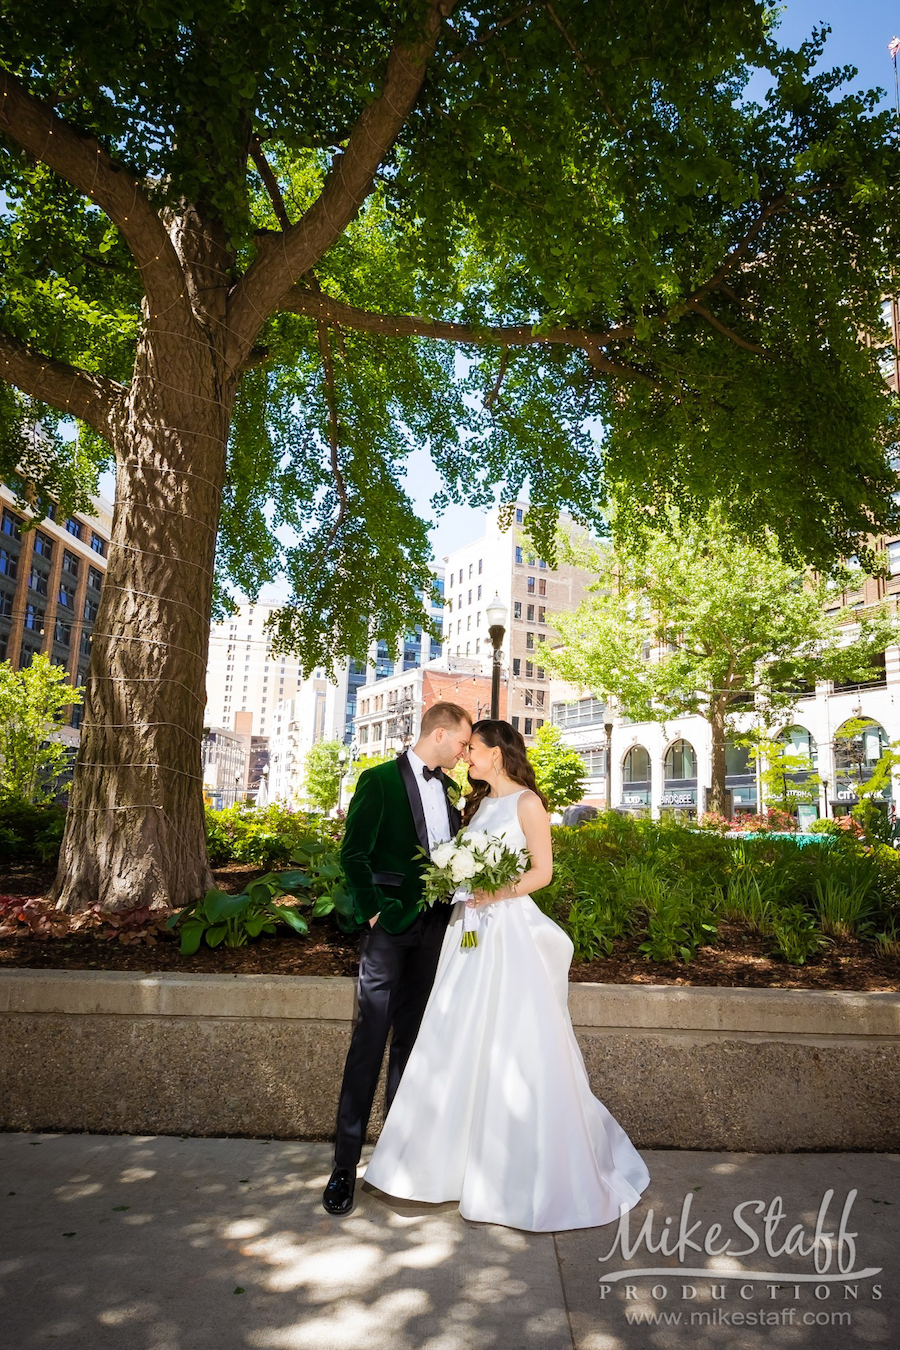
337, 1197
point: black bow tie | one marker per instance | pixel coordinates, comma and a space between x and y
430, 773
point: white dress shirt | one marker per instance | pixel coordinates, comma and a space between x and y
434, 802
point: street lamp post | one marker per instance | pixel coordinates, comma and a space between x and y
608, 728
342, 769
496, 617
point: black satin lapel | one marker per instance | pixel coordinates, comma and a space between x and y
454, 818
415, 799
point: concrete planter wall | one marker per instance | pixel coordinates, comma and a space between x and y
761, 1070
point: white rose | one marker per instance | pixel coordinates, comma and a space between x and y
493, 853
475, 840
463, 865
442, 855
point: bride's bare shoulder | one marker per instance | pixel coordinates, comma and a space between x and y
531, 803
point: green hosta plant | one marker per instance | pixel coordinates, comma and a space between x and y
234, 919
797, 935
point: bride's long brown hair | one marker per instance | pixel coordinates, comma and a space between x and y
501, 736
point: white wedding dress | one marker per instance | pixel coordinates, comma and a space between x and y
494, 1108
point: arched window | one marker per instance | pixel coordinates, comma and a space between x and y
859, 744
798, 741
636, 768
737, 759
680, 762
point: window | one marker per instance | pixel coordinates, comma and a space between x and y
529, 641
70, 563
67, 596
85, 645
542, 637
470, 596
34, 618
11, 525
458, 627
529, 613
98, 544
518, 554
477, 646
27, 655
515, 723
531, 585
520, 515
517, 609
62, 633
478, 619
43, 545
468, 623
541, 563
539, 723
468, 649
636, 768
517, 665
459, 601
74, 527
529, 698
540, 673
529, 670
531, 560
95, 579
529, 722
470, 570
452, 575
539, 698
39, 581
542, 586
478, 597
893, 553
9, 563
479, 572
542, 614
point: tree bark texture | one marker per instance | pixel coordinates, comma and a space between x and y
718, 773
135, 832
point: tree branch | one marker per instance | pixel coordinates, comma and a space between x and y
84, 163
726, 331
92, 398
266, 173
288, 256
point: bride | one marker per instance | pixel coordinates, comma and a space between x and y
494, 1108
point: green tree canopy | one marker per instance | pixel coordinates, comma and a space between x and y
695, 618
322, 775
558, 769
33, 703
243, 248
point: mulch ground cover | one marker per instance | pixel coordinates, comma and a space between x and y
738, 959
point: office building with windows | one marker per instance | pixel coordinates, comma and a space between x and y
501, 563
51, 580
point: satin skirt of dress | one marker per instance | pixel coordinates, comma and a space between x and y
495, 1109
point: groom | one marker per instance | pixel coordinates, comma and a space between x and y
397, 806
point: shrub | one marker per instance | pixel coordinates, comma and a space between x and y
30, 831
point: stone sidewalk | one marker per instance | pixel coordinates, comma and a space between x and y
161, 1243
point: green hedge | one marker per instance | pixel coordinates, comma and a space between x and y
672, 886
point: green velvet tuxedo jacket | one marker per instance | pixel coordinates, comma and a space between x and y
385, 826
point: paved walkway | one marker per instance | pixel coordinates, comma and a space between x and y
124, 1243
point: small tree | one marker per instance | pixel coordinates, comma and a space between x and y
559, 770
359, 766
323, 775
781, 787
699, 618
32, 702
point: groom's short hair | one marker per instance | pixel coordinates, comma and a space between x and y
441, 714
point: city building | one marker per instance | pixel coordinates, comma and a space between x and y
315, 712
243, 674
501, 563
390, 711
51, 580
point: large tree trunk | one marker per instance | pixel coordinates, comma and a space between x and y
135, 829
717, 794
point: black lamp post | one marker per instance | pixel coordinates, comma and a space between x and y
608, 728
496, 617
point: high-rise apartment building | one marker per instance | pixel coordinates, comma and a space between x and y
51, 579
502, 563
243, 674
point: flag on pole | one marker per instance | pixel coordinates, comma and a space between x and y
894, 47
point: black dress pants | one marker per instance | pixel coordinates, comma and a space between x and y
396, 972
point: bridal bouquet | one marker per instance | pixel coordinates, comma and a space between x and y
473, 861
